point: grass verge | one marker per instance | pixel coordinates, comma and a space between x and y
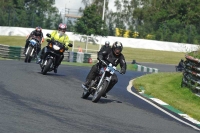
169, 90
140, 55
129, 66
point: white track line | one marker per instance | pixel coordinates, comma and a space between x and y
156, 106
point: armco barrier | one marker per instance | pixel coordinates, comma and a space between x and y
11, 52
191, 74
146, 69
14, 52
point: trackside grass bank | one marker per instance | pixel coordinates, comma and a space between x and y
129, 66
140, 55
168, 89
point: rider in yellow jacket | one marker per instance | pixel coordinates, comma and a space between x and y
60, 36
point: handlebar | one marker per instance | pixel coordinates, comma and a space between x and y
107, 65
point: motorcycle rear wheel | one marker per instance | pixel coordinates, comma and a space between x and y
85, 93
100, 91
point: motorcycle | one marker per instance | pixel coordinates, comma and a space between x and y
54, 50
99, 85
31, 51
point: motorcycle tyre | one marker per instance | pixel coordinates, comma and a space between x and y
47, 66
28, 57
85, 94
103, 87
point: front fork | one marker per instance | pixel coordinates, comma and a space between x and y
107, 78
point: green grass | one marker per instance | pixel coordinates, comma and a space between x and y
140, 55
129, 66
169, 90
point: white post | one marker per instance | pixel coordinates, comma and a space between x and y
103, 9
86, 45
100, 43
73, 46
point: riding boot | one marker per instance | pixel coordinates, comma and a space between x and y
86, 84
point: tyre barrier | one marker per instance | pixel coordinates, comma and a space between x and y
191, 74
145, 69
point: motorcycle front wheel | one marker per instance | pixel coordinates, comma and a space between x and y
100, 91
47, 66
28, 57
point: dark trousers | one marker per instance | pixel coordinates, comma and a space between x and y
94, 72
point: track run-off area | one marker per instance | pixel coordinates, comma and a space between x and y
34, 103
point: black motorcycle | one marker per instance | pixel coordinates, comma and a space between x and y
99, 85
31, 51
53, 51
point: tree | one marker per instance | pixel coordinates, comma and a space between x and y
28, 13
91, 23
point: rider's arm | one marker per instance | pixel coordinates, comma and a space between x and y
41, 38
31, 34
122, 64
102, 48
66, 41
102, 53
53, 33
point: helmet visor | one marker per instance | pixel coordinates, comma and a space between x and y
117, 51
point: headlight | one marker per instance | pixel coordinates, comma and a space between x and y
56, 47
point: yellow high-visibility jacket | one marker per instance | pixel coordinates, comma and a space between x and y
64, 39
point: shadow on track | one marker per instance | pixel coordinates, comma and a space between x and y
52, 74
104, 100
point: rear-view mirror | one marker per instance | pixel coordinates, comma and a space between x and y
70, 45
48, 35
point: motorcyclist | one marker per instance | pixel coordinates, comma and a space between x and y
180, 66
60, 36
37, 33
113, 56
106, 46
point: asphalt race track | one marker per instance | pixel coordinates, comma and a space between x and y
34, 103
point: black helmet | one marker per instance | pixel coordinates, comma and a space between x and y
38, 30
107, 43
117, 48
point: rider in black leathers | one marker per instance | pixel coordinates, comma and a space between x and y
39, 35
112, 55
106, 46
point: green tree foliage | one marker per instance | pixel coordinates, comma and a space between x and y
165, 20
29, 13
170, 20
91, 22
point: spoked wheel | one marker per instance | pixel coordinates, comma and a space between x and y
100, 91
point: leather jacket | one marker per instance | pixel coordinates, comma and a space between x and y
109, 56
